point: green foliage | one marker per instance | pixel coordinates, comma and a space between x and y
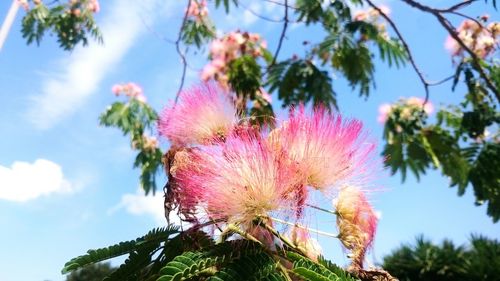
135, 118
426, 261
197, 32
167, 254
71, 28
457, 144
94, 272
323, 270
149, 241
245, 76
300, 81
226, 3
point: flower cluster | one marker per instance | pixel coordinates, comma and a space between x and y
148, 143
373, 16
481, 39
76, 6
197, 10
130, 90
228, 48
406, 109
229, 171
24, 4
202, 115
356, 222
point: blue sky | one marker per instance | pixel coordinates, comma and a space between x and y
67, 185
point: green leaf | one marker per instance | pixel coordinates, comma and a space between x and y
300, 82
323, 270
152, 239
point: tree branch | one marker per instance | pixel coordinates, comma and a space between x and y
283, 33
405, 46
181, 54
453, 33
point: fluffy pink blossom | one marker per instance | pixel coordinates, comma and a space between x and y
301, 238
383, 112
239, 179
228, 48
130, 90
479, 39
418, 102
330, 151
198, 9
203, 114
94, 6
373, 16
356, 221
24, 4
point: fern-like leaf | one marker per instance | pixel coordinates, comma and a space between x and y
154, 237
321, 271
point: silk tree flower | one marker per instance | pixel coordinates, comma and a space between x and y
237, 180
301, 238
479, 39
356, 221
329, 150
202, 115
383, 112
130, 90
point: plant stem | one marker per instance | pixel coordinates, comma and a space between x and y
244, 234
282, 238
322, 209
306, 228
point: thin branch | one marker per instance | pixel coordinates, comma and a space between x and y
456, 6
285, 240
155, 33
322, 209
259, 15
439, 82
283, 33
181, 54
233, 228
304, 227
406, 47
453, 33
282, 4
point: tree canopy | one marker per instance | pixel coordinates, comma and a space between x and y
462, 142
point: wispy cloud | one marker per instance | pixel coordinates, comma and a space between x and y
79, 76
24, 181
139, 204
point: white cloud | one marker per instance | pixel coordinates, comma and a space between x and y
139, 204
79, 76
25, 181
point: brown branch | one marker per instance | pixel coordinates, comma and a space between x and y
283, 33
406, 47
453, 33
259, 15
456, 6
181, 54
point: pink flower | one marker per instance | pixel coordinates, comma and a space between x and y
130, 90
329, 150
452, 46
383, 112
418, 102
202, 115
24, 4
94, 6
301, 238
265, 95
117, 89
356, 221
238, 180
